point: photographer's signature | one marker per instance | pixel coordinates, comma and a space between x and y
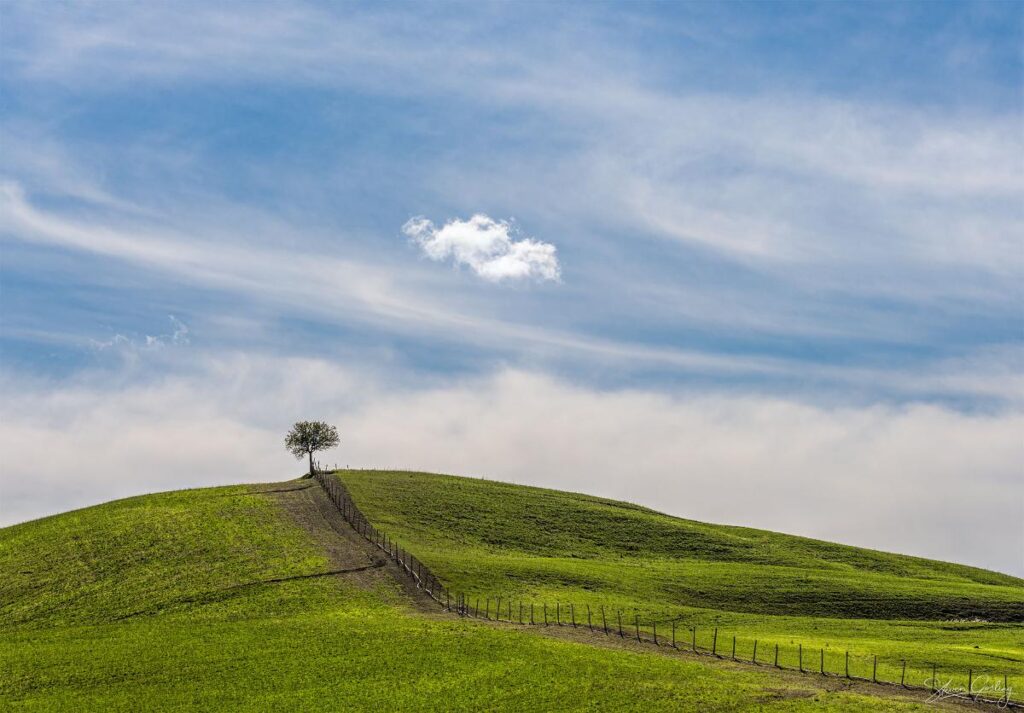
982, 686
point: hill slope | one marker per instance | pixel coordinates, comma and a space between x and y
256, 598
493, 539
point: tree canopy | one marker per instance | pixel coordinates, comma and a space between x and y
308, 437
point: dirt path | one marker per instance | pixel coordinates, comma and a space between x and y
349, 553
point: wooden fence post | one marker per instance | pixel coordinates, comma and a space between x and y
545, 613
734, 648
847, 664
520, 611
800, 654
487, 611
510, 609
558, 613
497, 610
753, 659
693, 641
874, 670
636, 620
714, 643
604, 621
531, 613
619, 613
970, 683
776, 655
822, 662
903, 673
655, 625
674, 633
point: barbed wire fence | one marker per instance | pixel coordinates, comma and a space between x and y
423, 578
824, 661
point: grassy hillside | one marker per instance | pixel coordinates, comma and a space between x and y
493, 539
204, 599
188, 552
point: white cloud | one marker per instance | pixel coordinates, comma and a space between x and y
131, 349
919, 479
487, 247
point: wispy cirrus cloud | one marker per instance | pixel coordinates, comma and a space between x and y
488, 247
179, 336
338, 291
323, 286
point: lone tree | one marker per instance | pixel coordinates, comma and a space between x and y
307, 437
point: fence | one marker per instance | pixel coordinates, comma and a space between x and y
420, 573
708, 642
823, 662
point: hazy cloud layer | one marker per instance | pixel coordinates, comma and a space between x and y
918, 479
487, 247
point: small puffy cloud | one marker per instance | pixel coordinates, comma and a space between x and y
488, 247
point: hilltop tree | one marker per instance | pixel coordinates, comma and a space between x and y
308, 437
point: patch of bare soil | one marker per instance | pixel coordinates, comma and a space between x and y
355, 559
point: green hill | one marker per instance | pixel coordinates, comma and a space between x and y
493, 540
261, 597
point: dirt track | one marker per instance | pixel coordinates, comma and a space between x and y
350, 554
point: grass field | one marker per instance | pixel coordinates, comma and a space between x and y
182, 600
492, 539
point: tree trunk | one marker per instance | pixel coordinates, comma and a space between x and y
311, 464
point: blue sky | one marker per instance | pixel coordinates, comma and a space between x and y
691, 213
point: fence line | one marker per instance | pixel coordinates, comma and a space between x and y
610, 622
421, 575
644, 632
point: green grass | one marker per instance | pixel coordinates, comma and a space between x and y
493, 539
370, 657
185, 551
162, 603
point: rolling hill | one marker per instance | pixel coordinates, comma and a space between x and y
492, 539
259, 597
